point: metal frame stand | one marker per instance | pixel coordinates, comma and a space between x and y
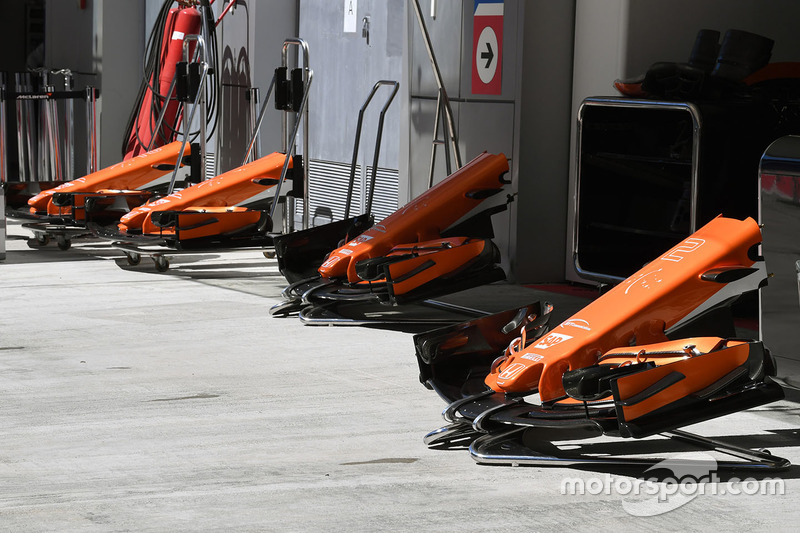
507, 448
442, 107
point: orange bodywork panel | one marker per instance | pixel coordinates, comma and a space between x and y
430, 260
197, 222
684, 367
220, 193
637, 311
422, 219
125, 176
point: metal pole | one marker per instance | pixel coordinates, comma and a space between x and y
53, 137
186, 131
29, 129
378, 139
255, 137
91, 127
162, 113
20, 111
187, 122
69, 129
440, 83
43, 132
291, 147
205, 14
304, 115
255, 98
379, 135
3, 146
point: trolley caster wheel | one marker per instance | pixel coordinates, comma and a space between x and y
161, 262
270, 254
42, 239
63, 244
133, 258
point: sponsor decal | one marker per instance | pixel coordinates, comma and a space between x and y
360, 239
645, 281
331, 261
679, 252
577, 323
552, 339
512, 371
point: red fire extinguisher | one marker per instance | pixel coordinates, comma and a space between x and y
179, 23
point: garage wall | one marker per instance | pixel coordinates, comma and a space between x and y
103, 44
622, 38
528, 121
346, 66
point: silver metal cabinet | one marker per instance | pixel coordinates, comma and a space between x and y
779, 206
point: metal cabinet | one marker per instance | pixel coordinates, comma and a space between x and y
779, 214
649, 173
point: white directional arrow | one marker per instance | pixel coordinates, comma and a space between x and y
485, 54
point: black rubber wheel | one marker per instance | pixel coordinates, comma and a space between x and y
63, 244
133, 258
42, 239
161, 262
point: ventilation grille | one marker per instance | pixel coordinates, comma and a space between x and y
328, 183
384, 203
210, 166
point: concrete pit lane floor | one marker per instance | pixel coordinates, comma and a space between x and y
134, 400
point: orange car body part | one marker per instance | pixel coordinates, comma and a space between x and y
423, 219
684, 367
635, 312
213, 199
128, 175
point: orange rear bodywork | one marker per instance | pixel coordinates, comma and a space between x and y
122, 179
209, 207
677, 285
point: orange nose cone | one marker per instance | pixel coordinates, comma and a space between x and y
133, 219
335, 266
39, 202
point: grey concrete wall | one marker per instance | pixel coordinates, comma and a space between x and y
69, 44
234, 71
104, 43
528, 122
272, 23
538, 231
120, 42
345, 69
